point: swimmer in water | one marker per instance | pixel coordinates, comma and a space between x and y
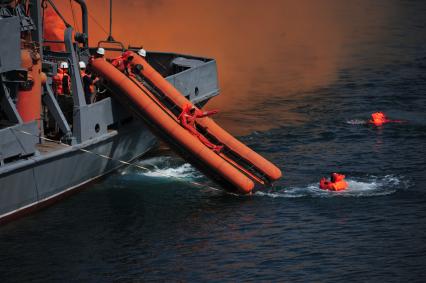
378, 119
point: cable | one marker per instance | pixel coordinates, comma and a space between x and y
97, 23
58, 13
73, 17
130, 164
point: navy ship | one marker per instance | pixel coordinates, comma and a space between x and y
71, 113
52, 145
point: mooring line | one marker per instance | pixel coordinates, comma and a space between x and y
130, 164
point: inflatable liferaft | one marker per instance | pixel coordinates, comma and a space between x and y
336, 183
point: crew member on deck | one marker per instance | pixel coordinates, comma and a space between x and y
100, 53
82, 66
89, 79
61, 81
57, 81
123, 62
66, 80
187, 119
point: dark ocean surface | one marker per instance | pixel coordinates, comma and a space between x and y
142, 226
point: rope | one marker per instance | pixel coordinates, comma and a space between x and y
97, 23
131, 164
73, 17
52, 4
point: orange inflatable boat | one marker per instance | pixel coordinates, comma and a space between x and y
235, 166
336, 183
263, 166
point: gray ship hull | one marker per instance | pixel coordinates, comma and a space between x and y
43, 179
52, 171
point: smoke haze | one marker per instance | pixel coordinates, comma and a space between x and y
298, 45
53, 29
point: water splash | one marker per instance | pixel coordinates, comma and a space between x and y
367, 187
164, 167
356, 122
184, 171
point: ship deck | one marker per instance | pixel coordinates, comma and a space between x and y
49, 146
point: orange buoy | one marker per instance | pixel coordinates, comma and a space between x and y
336, 183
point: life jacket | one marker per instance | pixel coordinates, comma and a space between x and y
337, 183
119, 63
127, 54
57, 82
187, 120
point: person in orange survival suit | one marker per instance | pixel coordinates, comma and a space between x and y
100, 53
57, 82
187, 119
123, 62
61, 81
66, 80
336, 183
378, 119
89, 79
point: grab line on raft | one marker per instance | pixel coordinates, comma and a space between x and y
131, 164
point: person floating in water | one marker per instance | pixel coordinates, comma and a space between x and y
379, 118
336, 183
187, 119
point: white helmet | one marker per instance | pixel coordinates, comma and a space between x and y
100, 51
64, 65
82, 65
142, 52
